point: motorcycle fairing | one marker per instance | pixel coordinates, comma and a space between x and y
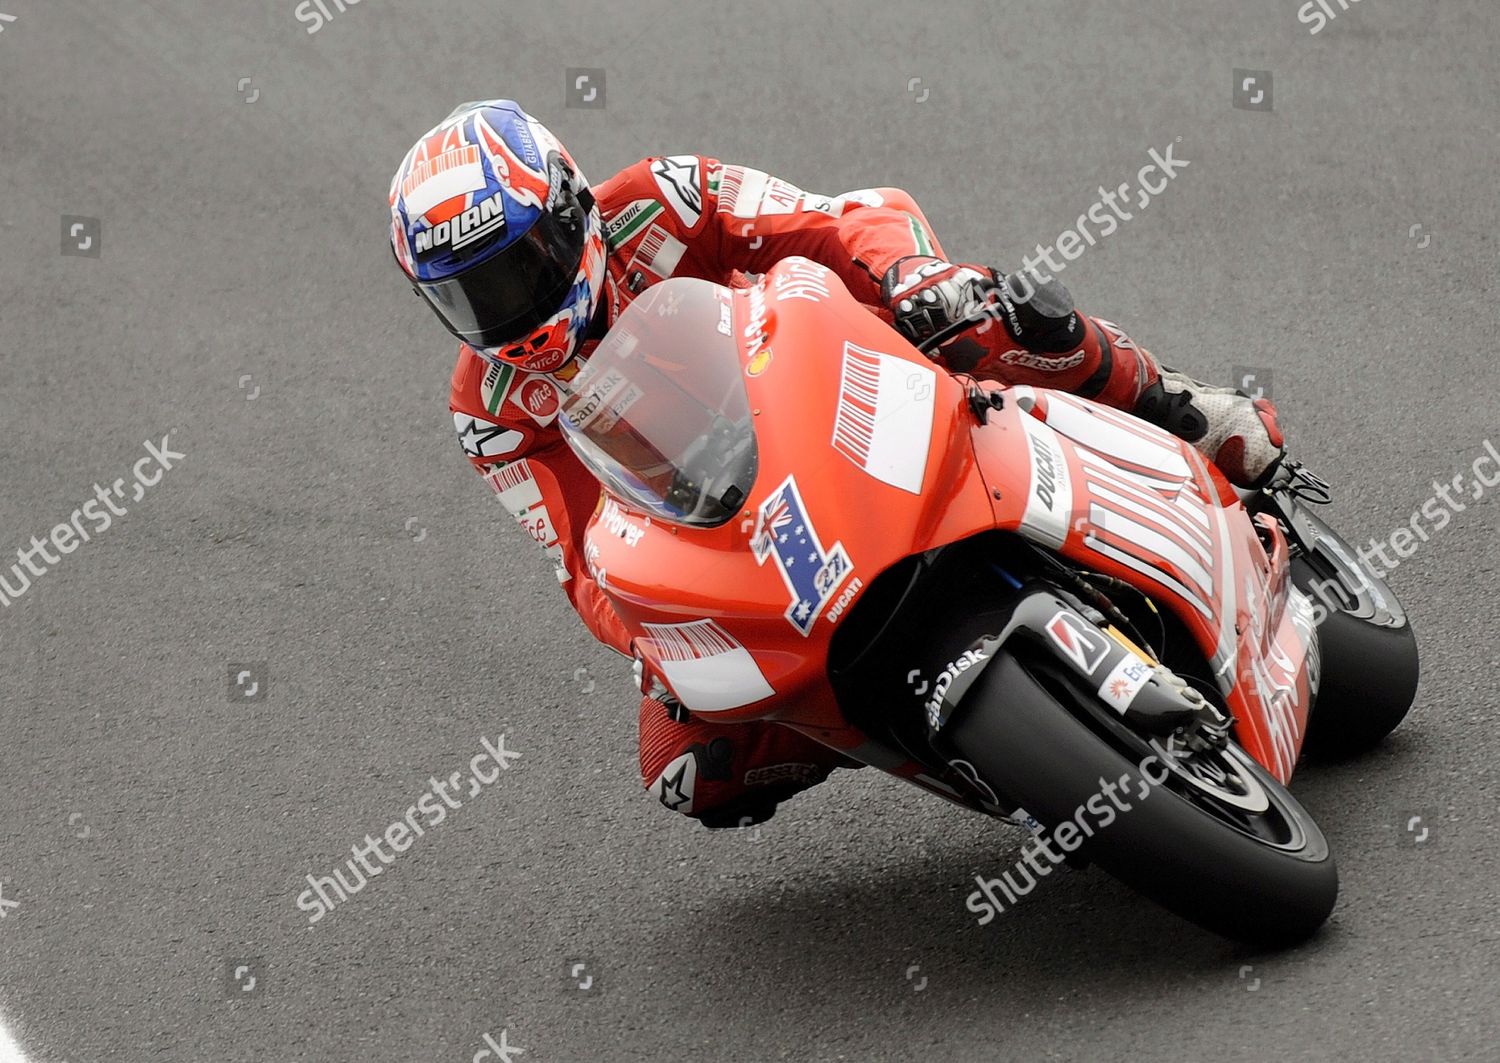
1122, 497
864, 459
832, 389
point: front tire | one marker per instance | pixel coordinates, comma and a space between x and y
1270, 880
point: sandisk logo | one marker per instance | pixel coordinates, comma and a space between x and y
479, 220
967, 660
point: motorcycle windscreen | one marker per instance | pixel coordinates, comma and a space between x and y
660, 413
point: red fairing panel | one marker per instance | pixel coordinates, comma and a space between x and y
1124, 498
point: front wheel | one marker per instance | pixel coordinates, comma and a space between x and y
1210, 836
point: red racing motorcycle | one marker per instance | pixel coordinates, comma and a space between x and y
1012, 597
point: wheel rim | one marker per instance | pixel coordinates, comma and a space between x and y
1227, 784
1217, 773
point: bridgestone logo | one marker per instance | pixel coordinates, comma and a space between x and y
465, 228
630, 220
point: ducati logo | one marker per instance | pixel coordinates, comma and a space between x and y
1046, 476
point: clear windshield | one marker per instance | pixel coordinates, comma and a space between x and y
660, 413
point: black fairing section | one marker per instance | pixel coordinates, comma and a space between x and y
923, 633
916, 618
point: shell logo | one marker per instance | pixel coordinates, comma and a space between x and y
759, 362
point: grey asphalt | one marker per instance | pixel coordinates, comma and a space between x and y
323, 532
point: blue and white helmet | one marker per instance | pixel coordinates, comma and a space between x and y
497, 230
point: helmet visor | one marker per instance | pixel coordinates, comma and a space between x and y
510, 293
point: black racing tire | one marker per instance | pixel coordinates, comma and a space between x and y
1368, 677
1272, 890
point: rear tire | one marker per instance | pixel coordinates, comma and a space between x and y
1369, 675
1273, 890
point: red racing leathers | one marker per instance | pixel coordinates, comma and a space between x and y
689, 216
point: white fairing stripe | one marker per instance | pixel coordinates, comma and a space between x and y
1158, 544
1048, 523
1228, 599
1199, 552
1184, 500
1150, 572
1080, 424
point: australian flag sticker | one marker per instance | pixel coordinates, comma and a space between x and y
812, 574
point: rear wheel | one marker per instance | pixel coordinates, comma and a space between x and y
1369, 666
1210, 835
1368, 671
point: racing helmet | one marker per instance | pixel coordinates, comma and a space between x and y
495, 227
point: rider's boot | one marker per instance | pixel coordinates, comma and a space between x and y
1237, 433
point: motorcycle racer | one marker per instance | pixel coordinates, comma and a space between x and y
527, 264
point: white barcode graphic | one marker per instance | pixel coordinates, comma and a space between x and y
513, 475
749, 187
859, 395
729, 187
884, 418
433, 181
517, 489
659, 252
426, 169
651, 244
686, 642
706, 666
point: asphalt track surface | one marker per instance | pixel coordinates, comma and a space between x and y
322, 530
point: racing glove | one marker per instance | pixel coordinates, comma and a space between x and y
926, 295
